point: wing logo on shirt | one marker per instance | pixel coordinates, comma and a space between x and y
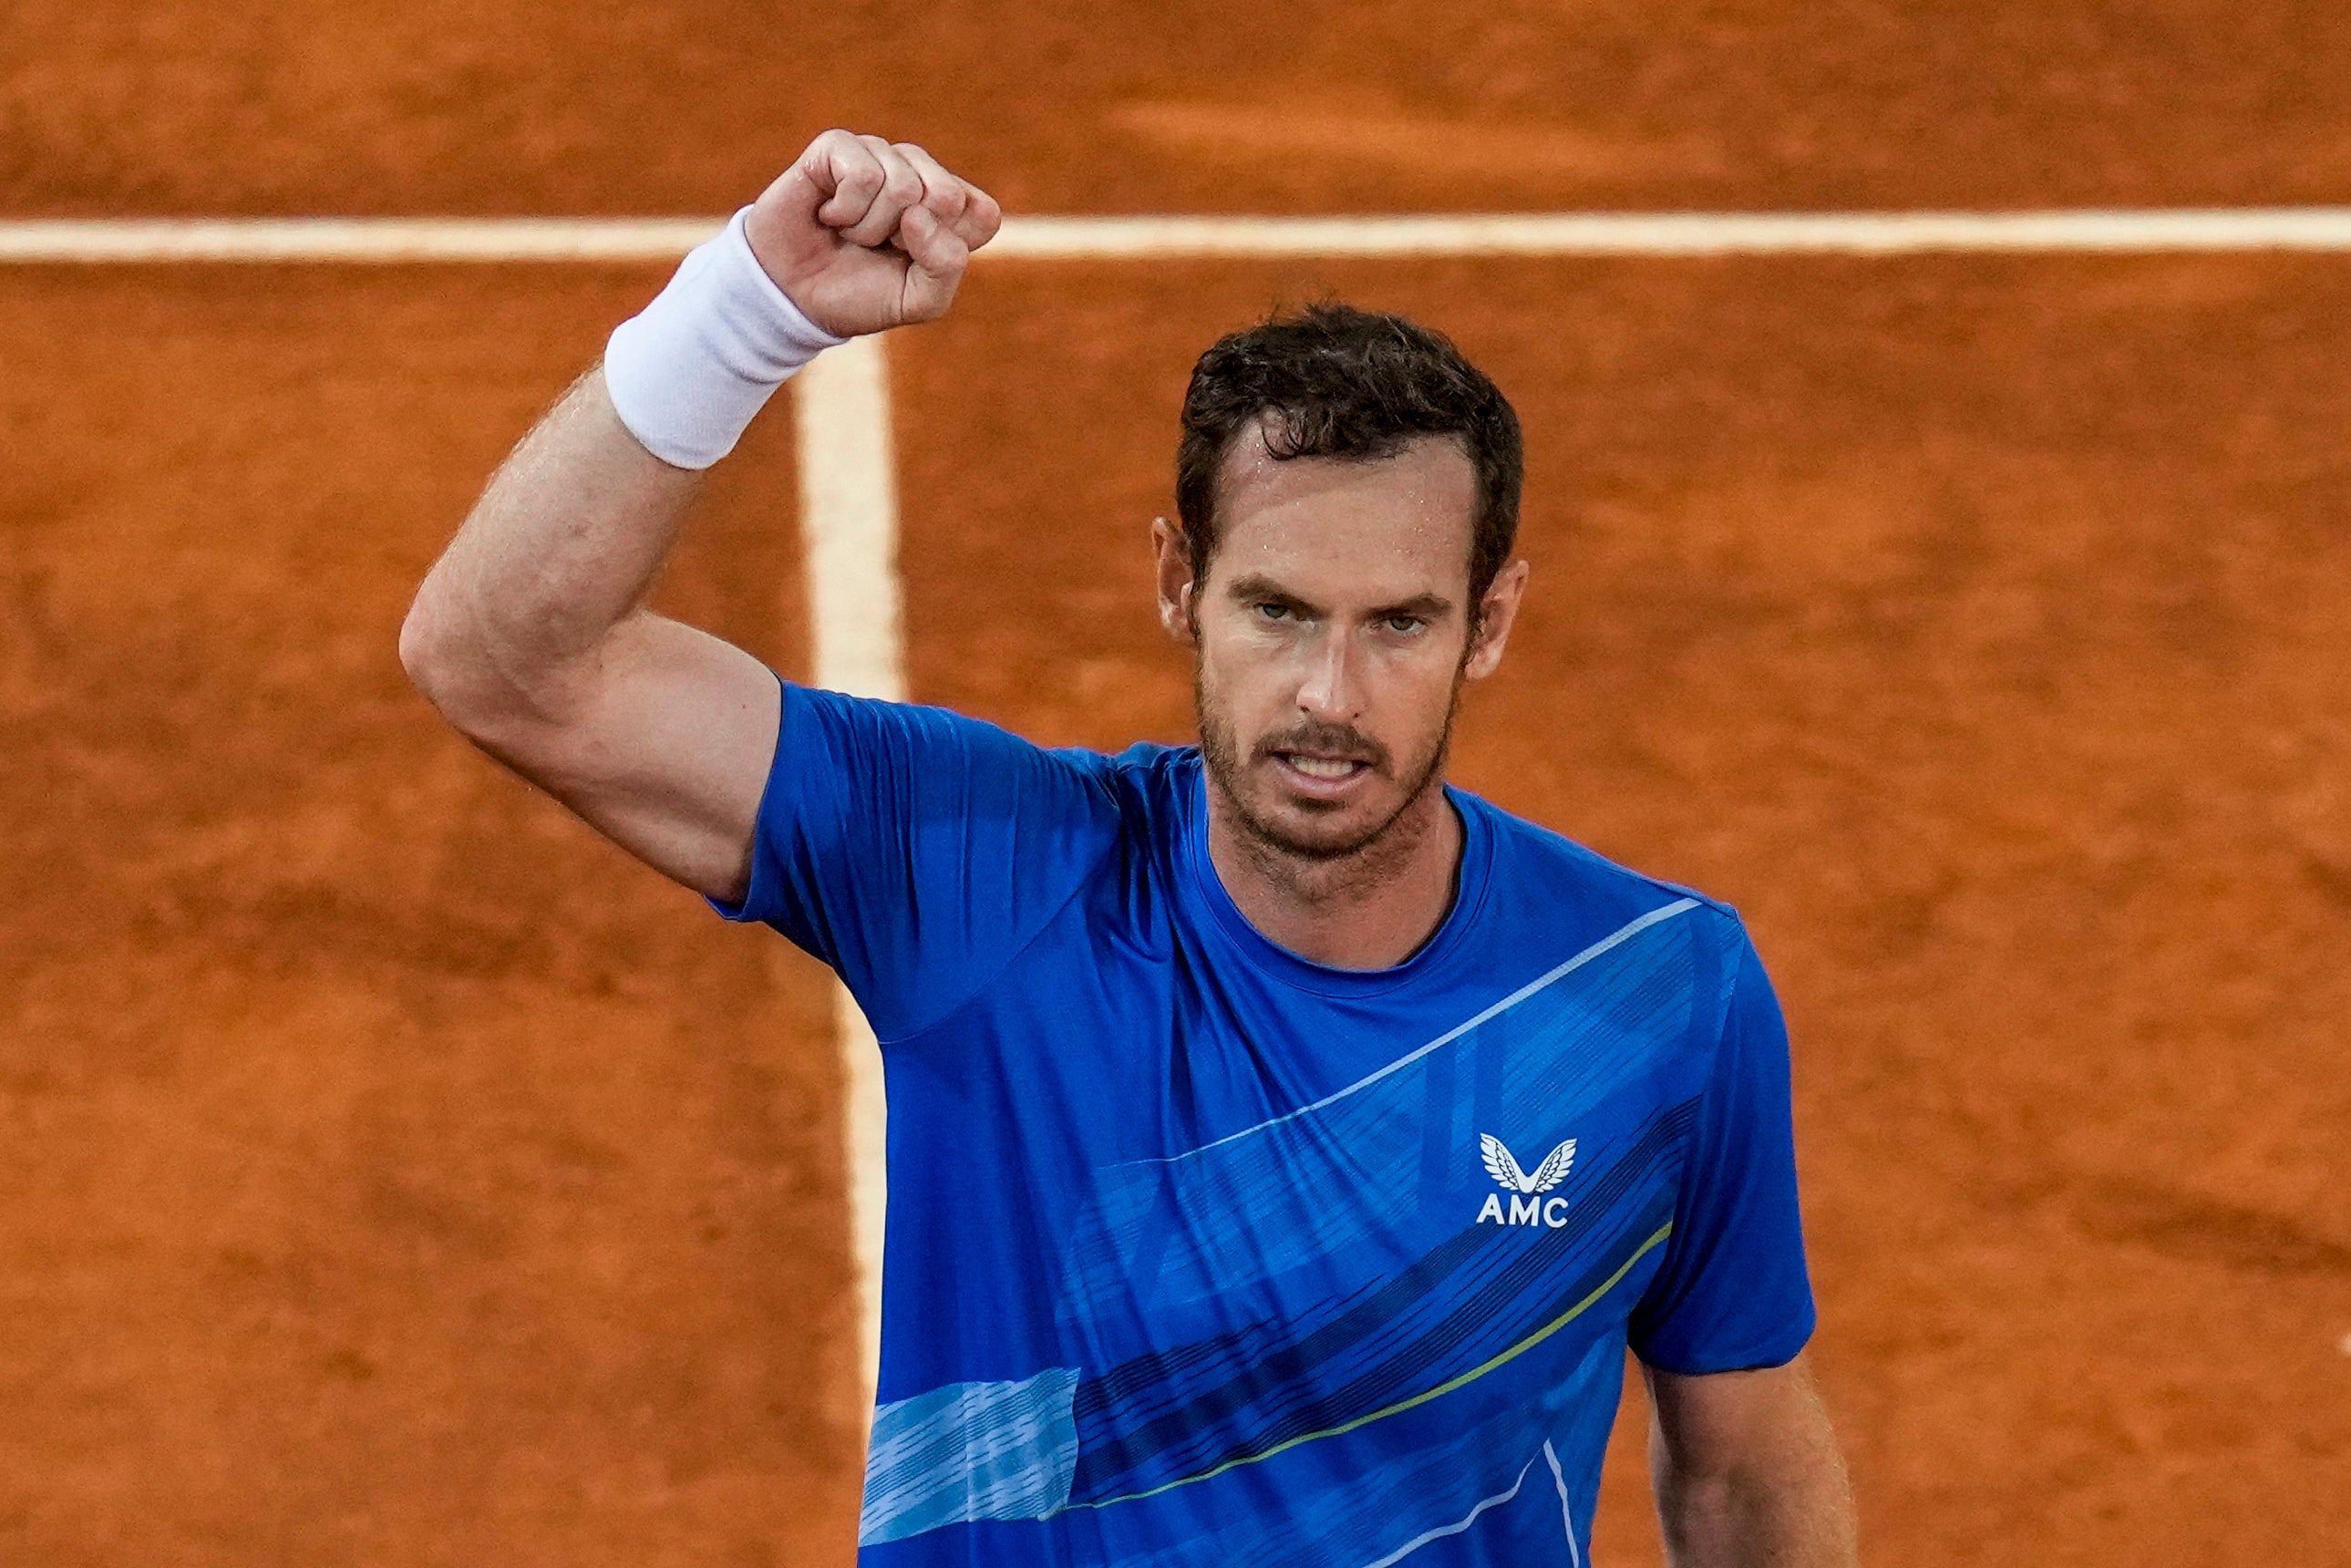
1504, 1168
1528, 1205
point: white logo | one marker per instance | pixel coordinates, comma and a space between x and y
1525, 1190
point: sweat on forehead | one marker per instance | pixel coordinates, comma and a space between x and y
1346, 522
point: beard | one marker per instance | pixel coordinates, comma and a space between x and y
1275, 834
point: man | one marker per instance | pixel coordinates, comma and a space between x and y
1284, 1147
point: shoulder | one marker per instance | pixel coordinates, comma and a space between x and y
924, 734
938, 774
1544, 870
1151, 782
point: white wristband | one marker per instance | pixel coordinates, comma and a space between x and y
689, 370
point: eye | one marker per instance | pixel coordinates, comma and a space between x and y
1404, 625
1270, 610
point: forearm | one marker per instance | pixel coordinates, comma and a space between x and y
561, 548
1747, 1471
511, 628
529, 633
1795, 1516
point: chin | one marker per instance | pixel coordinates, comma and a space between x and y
1316, 834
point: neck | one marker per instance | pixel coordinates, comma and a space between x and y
1366, 910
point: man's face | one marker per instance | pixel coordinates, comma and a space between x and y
1332, 635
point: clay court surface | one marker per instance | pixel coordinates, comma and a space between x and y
391, 1173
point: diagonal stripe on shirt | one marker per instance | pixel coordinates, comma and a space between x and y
1622, 935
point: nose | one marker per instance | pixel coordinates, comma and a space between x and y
1332, 691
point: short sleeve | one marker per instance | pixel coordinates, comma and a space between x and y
1733, 1292
917, 850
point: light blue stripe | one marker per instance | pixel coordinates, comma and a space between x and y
1466, 1519
967, 1451
1622, 935
1566, 1509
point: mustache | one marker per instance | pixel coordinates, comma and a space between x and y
1323, 741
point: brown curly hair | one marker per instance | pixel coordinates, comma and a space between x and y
1333, 381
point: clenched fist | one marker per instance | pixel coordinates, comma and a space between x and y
865, 234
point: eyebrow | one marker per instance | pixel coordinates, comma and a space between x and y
1428, 606
1258, 586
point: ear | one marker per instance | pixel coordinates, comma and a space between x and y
1496, 613
1173, 567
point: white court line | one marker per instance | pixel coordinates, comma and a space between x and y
1049, 238
1679, 233
849, 514
849, 518
378, 240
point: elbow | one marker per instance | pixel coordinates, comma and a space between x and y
499, 702
426, 654
449, 667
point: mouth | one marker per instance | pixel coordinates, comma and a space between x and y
1319, 775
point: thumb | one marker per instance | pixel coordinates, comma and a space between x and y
783, 228
936, 258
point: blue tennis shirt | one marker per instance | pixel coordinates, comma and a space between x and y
1202, 1253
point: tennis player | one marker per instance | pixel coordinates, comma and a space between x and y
1284, 1147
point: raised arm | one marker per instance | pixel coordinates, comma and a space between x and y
530, 634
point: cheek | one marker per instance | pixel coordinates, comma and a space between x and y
1411, 703
1241, 682
1413, 687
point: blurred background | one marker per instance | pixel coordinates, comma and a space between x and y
391, 1173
